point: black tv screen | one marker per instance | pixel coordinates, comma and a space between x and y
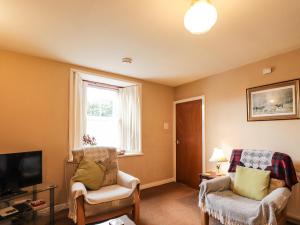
18, 170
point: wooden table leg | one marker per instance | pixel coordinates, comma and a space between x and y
52, 213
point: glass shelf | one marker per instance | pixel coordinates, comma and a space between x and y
33, 191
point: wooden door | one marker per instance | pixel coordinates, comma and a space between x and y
189, 142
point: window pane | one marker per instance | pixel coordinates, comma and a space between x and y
102, 116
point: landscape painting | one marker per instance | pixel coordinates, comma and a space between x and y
274, 102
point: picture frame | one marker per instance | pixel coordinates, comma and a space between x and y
277, 101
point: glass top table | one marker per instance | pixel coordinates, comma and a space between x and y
124, 219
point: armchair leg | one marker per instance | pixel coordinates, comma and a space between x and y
136, 207
204, 217
80, 211
281, 218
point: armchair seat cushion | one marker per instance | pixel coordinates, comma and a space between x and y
232, 209
232, 205
106, 207
107, 194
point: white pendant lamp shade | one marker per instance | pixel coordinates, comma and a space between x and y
200, 17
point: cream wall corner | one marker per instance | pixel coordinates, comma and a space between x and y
226, 112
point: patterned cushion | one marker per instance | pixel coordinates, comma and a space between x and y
77, 155
106, 156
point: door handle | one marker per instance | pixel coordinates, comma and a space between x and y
177, 141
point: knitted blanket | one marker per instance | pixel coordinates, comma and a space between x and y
216, 198
281, 167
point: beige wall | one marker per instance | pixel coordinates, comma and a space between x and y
34, 98
226, 113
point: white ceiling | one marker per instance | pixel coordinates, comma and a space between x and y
98, 33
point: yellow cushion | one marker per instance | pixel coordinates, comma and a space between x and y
90, 173
251, 183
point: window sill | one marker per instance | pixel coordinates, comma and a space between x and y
128, 154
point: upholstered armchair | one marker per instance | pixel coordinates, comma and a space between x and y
118, 195
218, 200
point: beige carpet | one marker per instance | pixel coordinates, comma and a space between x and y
171, 204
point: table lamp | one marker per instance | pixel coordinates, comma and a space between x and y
218, 156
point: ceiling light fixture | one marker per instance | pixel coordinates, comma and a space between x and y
200, 17
126, 60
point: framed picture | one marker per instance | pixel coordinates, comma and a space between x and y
279, 101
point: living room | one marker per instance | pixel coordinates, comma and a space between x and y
49, 49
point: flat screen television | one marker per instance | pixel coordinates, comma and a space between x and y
19, 170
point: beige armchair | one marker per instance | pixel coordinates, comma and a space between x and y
218, 200
118, 195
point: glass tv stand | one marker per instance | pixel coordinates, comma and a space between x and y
32, 192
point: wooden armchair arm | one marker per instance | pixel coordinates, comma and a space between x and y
80, 210
136, 207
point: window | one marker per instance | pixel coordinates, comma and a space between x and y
105, 109
102, 115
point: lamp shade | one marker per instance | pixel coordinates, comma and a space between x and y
218, 156
200, 17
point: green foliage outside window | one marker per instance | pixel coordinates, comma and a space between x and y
100, 109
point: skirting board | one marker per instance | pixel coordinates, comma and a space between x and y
157, 183
57, 208
295, 219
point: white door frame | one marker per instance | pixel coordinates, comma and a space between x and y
202, 97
